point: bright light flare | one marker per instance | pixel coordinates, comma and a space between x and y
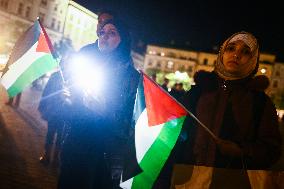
87, 75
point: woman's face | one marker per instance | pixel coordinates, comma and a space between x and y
236, 56
109, 38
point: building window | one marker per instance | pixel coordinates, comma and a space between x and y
183, 57
172, 55
277, 73
58, 26
182, 68
4, 3
86, 24
205, 61
170, 64
41, 17
150, 63
43, 2
159, 64
152, 52
275, 84
189, 69
52, 23
20, 8
55, 7
28, 12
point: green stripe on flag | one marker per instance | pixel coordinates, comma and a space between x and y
155, 158
38, 68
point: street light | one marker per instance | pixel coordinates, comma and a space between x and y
263, 70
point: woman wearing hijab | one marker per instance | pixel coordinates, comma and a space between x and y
99, 120
231, 102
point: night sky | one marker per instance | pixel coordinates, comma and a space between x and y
199, 24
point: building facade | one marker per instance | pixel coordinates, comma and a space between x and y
206, 61
277, 85
277, 81
266, 64
17, 15
61, 18
168, 60
80, 25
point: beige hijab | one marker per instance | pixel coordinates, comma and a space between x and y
247, 69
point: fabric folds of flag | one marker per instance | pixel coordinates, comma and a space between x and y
158, 123
31, 57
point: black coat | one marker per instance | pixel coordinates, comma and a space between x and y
51, 102
236, 111
101, 129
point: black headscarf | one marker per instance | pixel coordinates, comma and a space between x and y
122, 52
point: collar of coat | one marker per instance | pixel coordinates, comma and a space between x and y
210, 80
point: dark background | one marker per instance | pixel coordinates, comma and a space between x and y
198, 24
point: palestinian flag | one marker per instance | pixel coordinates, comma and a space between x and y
158, 123
31, 57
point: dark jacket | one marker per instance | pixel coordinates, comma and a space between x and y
119, 90
228, 109
102, 129
51, 102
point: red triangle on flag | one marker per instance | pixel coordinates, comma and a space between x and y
42, 44
160, 106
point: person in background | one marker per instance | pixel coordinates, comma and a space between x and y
230, 101
51, 109
154, 77
177, 91
103, 16
165, 84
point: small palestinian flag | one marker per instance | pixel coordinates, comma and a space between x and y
158, 123
31, 57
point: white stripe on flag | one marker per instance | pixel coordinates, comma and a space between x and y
145, 136
127, 184
20, 66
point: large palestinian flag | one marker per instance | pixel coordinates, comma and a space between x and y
31, 57
158, 122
